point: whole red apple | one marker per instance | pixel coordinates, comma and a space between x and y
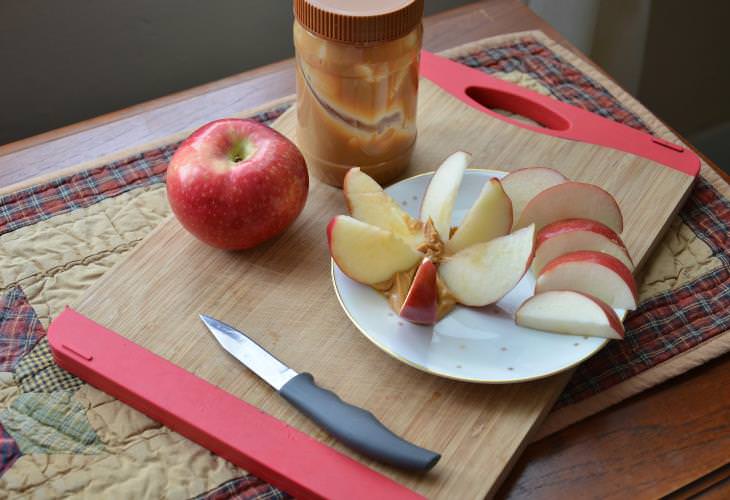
236, 183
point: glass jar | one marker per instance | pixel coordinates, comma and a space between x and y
357, 82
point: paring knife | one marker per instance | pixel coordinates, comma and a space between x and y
357, 428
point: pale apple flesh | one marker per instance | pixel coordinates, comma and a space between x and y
489, 217
571, 313
524, 184
572, 200
484, 273
421, 302
367, 202
358, 182
593, 273
366, 253
438, 202
424, 267
562, 237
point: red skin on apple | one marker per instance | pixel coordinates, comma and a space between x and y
563, 226
589, 258
421, 303
523, 184
572, 200
330, 229
613, 319
569, 312
236, 183
570, 235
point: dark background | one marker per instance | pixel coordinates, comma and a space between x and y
62, 61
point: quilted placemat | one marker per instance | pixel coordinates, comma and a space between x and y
60, 437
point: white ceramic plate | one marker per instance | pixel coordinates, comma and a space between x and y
471, 344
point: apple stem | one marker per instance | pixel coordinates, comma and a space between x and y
242, 151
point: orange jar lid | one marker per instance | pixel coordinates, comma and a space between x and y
359, 21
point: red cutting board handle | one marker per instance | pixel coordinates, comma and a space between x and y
485, 93
210, 416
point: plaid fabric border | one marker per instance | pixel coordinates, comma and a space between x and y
268, 117
86, 188
19, 328
83, 189
246, 487
707, 212
565, 82
37, 372
9, 450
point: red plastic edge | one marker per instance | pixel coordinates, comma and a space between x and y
210, 416
479, 90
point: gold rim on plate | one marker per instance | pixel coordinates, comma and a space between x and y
437, 372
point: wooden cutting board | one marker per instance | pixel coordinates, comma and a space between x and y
281, 294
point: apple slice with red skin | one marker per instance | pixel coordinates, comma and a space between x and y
484, 273
366, 253
524, 184
594, 273
438, 202
572, 200
569, 312
571, 235
367, 202
421, 303
488, 218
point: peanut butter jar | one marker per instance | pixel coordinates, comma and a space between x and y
357, 82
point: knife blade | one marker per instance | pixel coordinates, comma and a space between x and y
355, 427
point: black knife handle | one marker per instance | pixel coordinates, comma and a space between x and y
357, 428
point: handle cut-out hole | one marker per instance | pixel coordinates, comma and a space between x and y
512, 104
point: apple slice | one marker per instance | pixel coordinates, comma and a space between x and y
571, 235
572, 200
483, 273
593, 273
570, 312
421, 302
524, 184
488, 218
367, 202
358, 182
438, 202
367, 253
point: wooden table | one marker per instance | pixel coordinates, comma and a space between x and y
671, 440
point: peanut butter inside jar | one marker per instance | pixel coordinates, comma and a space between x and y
357, 83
